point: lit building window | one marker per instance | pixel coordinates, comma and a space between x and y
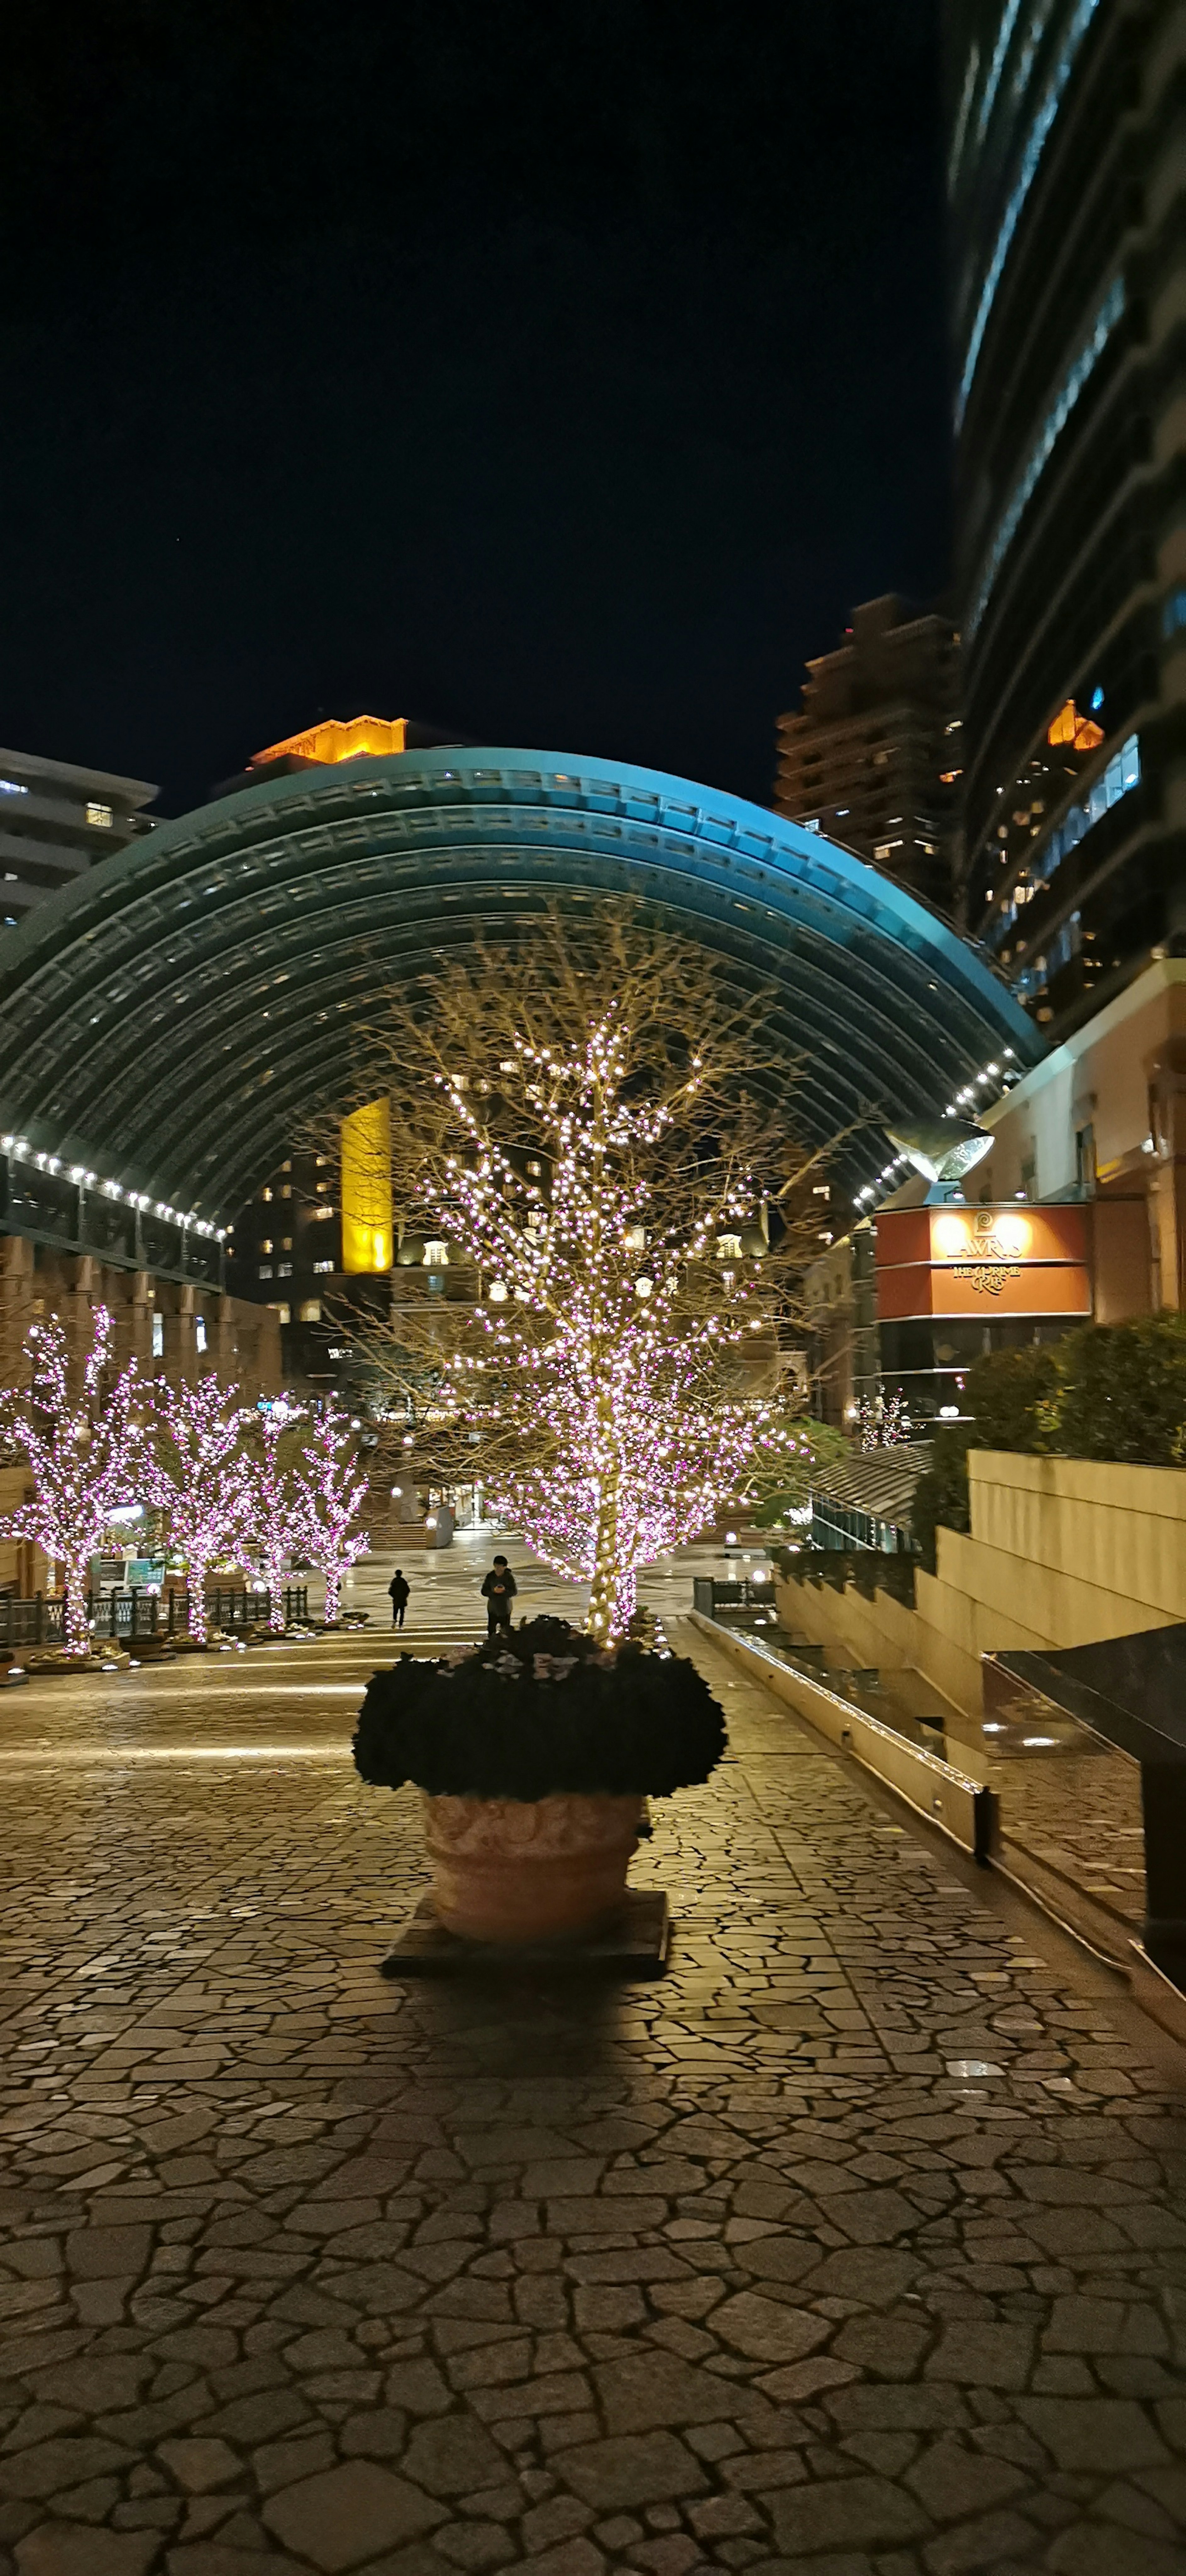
321, 1211
1035, 144
265, 1195
283, 1313
285, 1190
101, 816
310, 1312
265, 1243
265, 1270
284, 1270
1009, 18
1082, 367
11, 787
436, 1256
200, 1332
1122, 774
158, 1337
323, 1265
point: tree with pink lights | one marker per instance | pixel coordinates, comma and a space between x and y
83, 1434
200, 1478
581, 1123
329, 1490
271, 1517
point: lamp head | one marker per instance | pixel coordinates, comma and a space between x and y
942, 1149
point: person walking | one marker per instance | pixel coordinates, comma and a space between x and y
399, 1589
498, 1592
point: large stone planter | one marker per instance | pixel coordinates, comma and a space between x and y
509, 1869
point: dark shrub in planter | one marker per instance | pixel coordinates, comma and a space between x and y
1123, 1392
1012, 1396
540, 1713
941, 1495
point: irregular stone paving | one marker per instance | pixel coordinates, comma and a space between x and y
855, 2247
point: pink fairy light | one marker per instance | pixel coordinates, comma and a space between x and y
200, 1478
328, 1490
86, 1447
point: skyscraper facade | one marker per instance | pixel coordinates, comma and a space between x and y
1067, 173
55, 822
873, 757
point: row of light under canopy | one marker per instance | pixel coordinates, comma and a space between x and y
975, 1095
21, 1151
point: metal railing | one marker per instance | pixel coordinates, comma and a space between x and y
125, 1616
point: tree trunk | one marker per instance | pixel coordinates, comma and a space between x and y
603, 1594
76, 1633
333, 1595
196, 1588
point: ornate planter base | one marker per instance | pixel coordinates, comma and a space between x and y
635, 1943
508, 1870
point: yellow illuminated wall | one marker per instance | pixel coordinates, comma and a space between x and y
356, 738
367, 1233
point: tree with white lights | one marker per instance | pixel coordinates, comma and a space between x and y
84, 1437
329, 1489
581, 1122
200, 1478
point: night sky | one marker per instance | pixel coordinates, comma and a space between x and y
560, 374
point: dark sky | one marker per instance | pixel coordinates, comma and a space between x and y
558, 372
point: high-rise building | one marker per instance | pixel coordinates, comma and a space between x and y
1066, 152
873, 758
55, 822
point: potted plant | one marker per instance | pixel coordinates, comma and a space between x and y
534, 1753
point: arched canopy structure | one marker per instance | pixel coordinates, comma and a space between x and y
175, 1016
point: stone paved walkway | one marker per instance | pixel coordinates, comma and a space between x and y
856, 2247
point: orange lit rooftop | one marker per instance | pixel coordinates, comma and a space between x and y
340, 738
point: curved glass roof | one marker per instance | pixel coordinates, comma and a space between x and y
177, 1013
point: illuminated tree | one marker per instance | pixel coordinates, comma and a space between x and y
84, 1438
271, 1517
200, 1478
329, 1488
581, 1123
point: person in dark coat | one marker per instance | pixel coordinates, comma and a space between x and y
399, 1588
498, 1592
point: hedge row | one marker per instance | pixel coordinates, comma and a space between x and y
1114, 1391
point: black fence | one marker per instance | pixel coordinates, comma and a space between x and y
122, 1617
709, 1594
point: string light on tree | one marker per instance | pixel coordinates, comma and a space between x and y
83, 1435
271, 1516
200, 1478
608, 1394
329, 1489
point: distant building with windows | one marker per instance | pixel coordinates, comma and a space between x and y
873, 758
285, 1251
55, 822
1066, 150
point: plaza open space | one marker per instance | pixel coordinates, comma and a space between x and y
855, 2243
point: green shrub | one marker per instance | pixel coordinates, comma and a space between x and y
1122, 1392
540, 1711
1013, 1398
941, 1495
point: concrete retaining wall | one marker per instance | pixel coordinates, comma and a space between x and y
1062, 1551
